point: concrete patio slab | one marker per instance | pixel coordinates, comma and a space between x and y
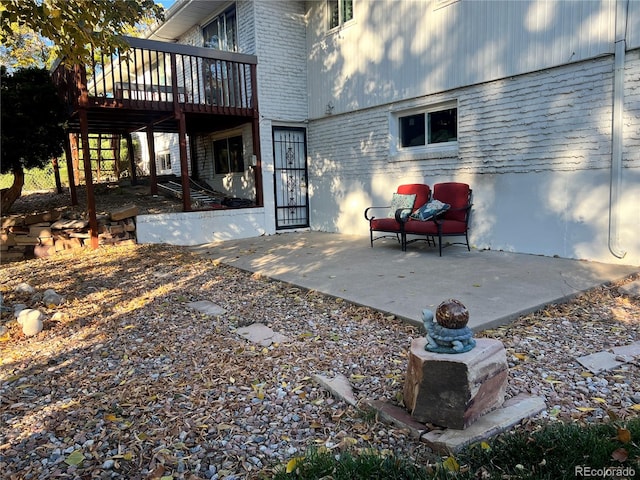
496, 287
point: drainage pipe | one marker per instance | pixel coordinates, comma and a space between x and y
616, 128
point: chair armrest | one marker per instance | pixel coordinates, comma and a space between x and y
366, 212
399, 218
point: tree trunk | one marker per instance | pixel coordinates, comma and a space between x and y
8, 196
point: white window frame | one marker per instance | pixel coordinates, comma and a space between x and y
341, 9
162, 159
222, 22
398, 152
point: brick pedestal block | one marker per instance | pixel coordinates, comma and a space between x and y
453, 390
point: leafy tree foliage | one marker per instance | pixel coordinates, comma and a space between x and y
74, 27
26, 49
33, 125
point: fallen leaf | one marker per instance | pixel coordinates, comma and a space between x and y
451, 464
624, 435
293, 464
620, 455
75, 458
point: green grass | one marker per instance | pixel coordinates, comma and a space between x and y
553, 452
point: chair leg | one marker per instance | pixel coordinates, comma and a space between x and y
466, 236
371, 237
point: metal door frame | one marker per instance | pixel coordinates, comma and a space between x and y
299, 195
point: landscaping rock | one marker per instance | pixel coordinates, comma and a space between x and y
50, 297
17, 308
24, 288
31, 321
261, 334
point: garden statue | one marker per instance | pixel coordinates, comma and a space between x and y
448, 331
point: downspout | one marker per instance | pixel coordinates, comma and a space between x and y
616, 128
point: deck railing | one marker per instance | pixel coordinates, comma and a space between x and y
154, 75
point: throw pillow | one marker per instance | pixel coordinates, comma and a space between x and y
430, 209
402, 201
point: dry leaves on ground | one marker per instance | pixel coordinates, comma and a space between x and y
129, 382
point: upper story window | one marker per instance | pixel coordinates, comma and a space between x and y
220, 33
423, 128
340, 12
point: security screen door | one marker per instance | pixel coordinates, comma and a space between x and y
290, 157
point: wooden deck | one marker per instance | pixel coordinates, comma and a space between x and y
152, 81
158, 87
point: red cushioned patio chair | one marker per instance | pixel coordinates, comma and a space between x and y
454, 222
392, 222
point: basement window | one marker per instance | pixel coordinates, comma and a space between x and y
228, 155
428, 127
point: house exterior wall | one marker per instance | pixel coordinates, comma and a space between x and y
239, 184
280, 32
533, 85
163, 143
535, 148
276, 33
398, 50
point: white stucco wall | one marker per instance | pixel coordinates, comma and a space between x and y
195, 228
536, 149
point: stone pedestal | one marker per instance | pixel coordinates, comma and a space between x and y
453, 390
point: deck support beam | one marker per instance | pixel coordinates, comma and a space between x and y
132, 159
151, 145
184, 165
68, 153
88, 177
83, 103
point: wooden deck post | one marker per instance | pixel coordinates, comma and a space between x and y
151, 145
56, 174
182, 136
83, 101
255, 133
184, 166
70, 168
132, 159
88, 177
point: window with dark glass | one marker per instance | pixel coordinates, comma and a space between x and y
427, 128
443, 126
340, 12
220, 33
228, 155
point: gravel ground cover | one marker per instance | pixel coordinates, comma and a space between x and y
128, 381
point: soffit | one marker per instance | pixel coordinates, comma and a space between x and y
183, 15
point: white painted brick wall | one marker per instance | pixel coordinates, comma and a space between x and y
631, 153
535, 148
282, 60
552, 120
